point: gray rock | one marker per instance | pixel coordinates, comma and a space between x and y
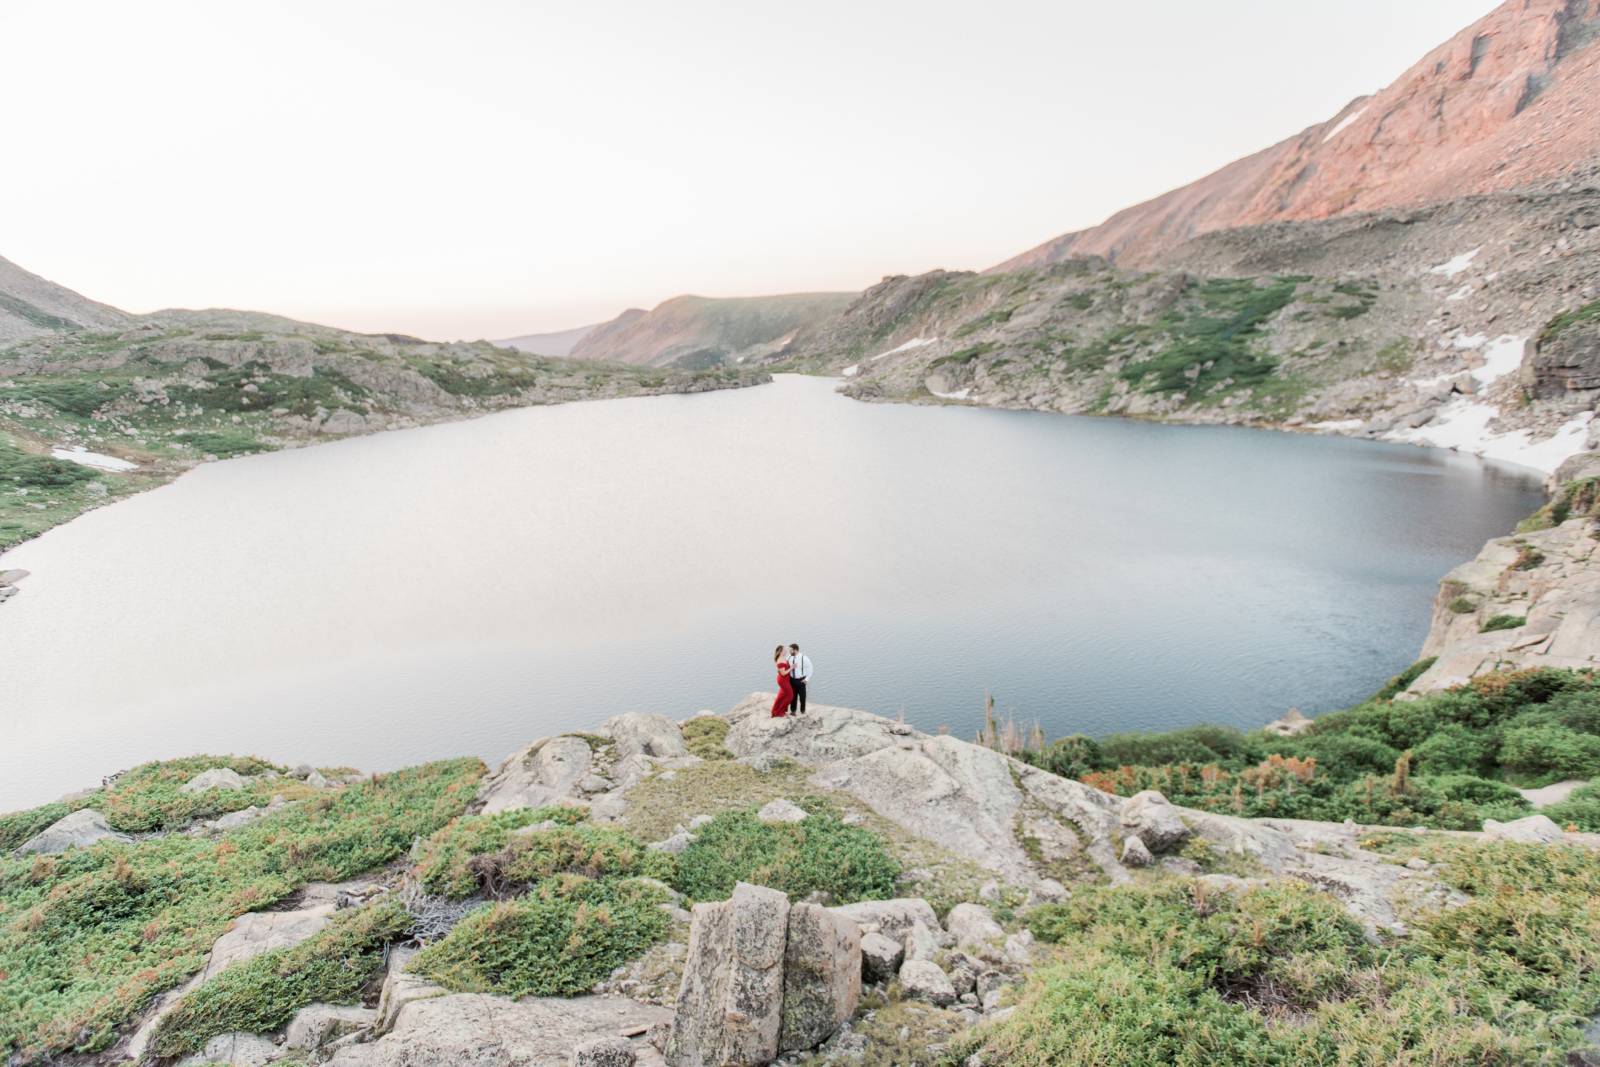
923, 980
401, 989
675, 844
316, 1025
699, 821
780, 811
963, 971
82, 827
546, 772
234, 1050
316, 780
972, 924
604, 1052
908, 920
1134, 852
1533, 829
881, 957
1019, 948
821, 976
215, 778
476, 1030
645, 735
730, 1005
1155, 820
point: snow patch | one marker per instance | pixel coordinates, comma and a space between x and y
85, 458
1461, 293
1451, 267
1344, 123
852, 370
959, 394
915, 342
1335, 425
1463, 424
1468, 340
1503, 356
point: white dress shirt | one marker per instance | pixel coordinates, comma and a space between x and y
800, 667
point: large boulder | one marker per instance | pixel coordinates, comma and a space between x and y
638, 734
780, 810
1155, 820
881, 957
215, 778
546, 772
972, 924
1564, 360
730, 1006
476, 1030
821, 976
82, 827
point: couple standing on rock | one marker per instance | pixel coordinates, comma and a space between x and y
794, 671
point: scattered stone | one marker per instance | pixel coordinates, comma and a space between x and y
700, 820
82, 827
675, 844
923, 980
1155, 820
972, 924
1417, 863
990, 891
316, 781
215, 778
908, 920
1292, 723
781, 811
963, 971
302, 771
1533, 829
1019, 948
1134, 852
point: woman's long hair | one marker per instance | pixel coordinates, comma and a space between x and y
777, 654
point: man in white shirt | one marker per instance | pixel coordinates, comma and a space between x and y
799, 675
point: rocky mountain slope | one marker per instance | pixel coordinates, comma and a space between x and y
695, 332
1505, 103
30, 305
96, 403
559, 343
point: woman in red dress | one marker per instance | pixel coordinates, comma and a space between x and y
780, 707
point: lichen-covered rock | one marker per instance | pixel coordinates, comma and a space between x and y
972, 924
881, 957
821, 976
730, 1006
546, 772
1155, 820
215, 778
923, 980
82, 827
605, 1052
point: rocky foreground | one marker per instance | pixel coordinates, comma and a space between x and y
758, 977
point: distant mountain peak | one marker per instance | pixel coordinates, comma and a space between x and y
1508, 101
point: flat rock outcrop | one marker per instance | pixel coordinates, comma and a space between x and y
593, 770
83, 827
477, 1030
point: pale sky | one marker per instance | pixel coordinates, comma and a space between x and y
483, 168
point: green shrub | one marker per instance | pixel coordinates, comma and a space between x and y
1502, 622
1455, 748
705, 735
221, 443
90, 936
1462, 606
820, 853
558, 941
150, 796
262, 994
1191, 744
482, 854
1070, 757
19, 468
18, 826
1402, 681
1549, 750
1580, 809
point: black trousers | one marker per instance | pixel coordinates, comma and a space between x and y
799, 701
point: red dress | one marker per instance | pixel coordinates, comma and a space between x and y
780, 707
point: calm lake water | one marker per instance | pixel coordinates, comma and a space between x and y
462, 589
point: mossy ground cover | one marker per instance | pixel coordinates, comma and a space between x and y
1213, 338
1170, 973
1447, 760
87, 938
819, 854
